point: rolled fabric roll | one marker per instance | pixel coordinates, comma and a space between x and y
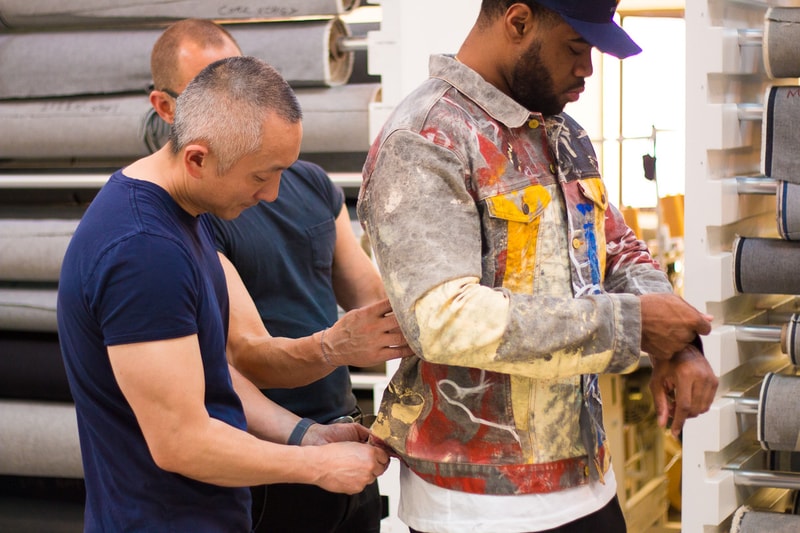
69, 63
336, 119
72, 63
32, 250
748, 520
24, 14
781, 42
778, 423
766, 266
39, 439
307, 53
79, 127
790, 339
788, 210
781, 133
31, 367
28, 309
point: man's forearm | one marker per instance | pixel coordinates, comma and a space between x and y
265, 419
280, 362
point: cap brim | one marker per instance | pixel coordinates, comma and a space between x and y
606, 37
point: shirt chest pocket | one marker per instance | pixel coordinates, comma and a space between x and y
322, 240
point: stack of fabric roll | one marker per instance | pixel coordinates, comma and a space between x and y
75, 78
73, 100
767, 265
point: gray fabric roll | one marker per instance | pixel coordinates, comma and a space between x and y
337, 119
781, 134
65, 128
39, 439
781, 42
790, 339
305, 53
766, 266
32, 250
25, 14
778, 422
70, 63
788, 210
75, 63
28, 309
747, 520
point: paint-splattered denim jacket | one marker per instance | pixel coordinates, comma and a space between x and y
513, 279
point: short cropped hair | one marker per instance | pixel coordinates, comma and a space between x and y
164, 56
226, 104
490, 9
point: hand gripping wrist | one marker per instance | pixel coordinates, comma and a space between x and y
299, 431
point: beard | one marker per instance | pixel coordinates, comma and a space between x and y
531, 83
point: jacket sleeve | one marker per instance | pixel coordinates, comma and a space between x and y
629, 266
425, 229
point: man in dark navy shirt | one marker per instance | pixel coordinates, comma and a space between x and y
299, 260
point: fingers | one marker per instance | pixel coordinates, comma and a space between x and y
382, 460
683, 387
681, 409
670, 324
380, 308
661, 403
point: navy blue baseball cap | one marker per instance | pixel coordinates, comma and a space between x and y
594, 21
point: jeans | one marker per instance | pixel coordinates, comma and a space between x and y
294, 508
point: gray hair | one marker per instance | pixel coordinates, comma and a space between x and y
226, 104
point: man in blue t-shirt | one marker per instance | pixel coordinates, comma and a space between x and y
298, 259
171, 435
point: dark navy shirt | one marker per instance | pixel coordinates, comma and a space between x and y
140, 269
283, 250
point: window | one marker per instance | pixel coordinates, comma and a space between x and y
636, 107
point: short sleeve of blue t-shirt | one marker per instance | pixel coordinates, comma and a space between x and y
141, 301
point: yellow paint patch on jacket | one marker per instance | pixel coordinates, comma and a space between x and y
522, 209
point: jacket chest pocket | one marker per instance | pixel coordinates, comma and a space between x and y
589, 235
517, 214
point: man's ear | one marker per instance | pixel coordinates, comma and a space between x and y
196, 160
164, 105
518, 21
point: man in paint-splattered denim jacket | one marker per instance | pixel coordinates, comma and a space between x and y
514, 280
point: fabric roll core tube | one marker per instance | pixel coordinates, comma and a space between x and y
779, 40
787, 201
786, 334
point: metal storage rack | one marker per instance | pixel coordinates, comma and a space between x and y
726, 196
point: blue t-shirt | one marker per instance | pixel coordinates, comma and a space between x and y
283, 250
139, 269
